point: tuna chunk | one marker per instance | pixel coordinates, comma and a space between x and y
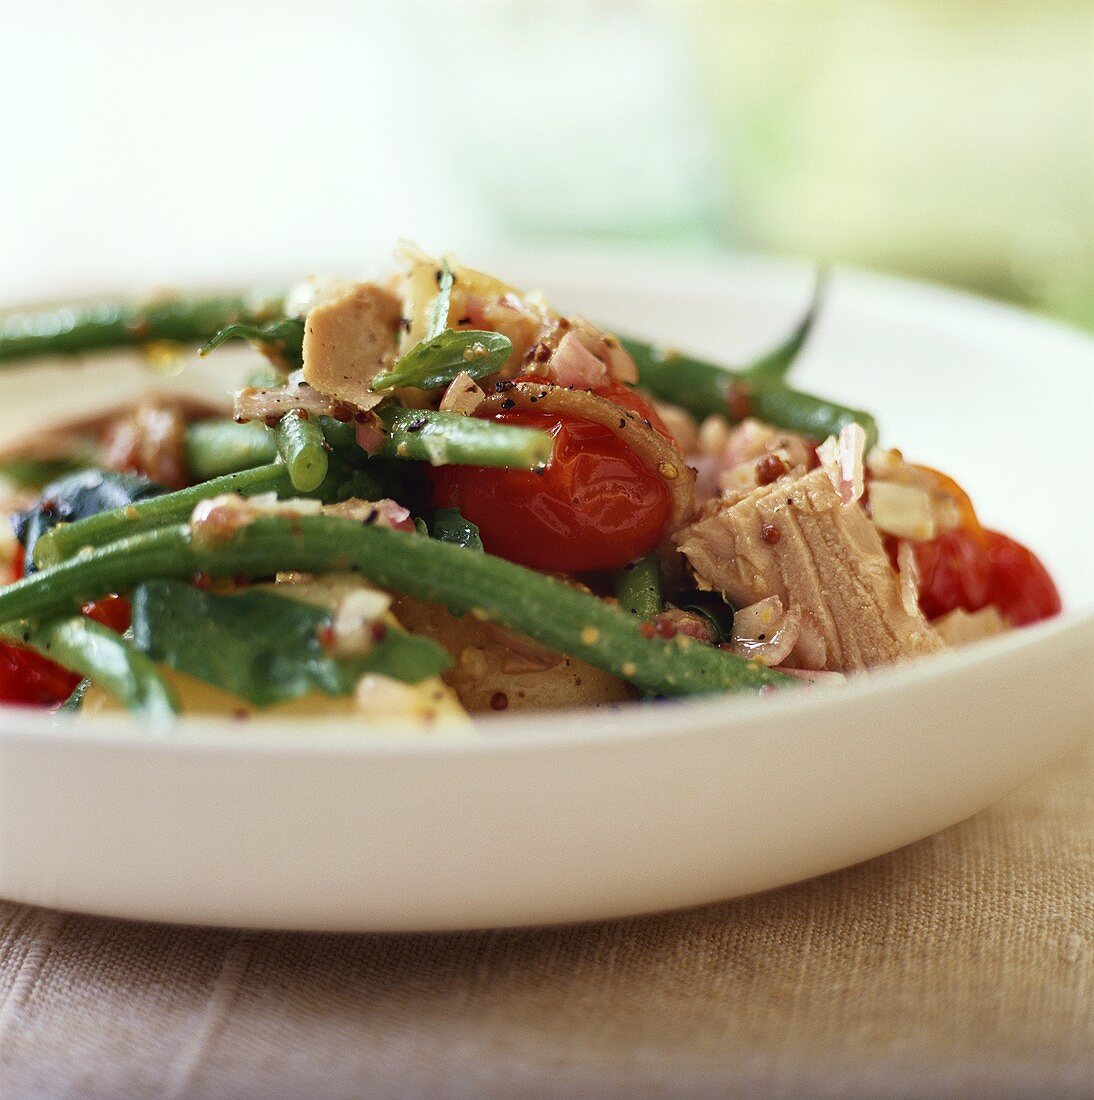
795, 540
349, 340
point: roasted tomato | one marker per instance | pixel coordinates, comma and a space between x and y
594, 507
971, 568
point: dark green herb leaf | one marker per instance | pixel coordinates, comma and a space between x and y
264, 647
450, 526
281, 341
76, 699
438, 315
433, 363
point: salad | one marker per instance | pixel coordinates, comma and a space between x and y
438, 496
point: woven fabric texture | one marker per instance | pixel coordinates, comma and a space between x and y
959, 966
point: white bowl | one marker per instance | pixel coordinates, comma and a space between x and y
584, 815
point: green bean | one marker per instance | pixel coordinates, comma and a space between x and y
67, 539
638, 587
545, 609
449, 439
704, 389
814, 417
217, 447
774, 365
100, 655
303, 449
222, 446
695, 385
90, 326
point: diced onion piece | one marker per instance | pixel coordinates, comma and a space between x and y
430, 703
765, 632
815, 676
843, 459
681, 425
370, 434
261, 403
354, 618
960, 627
902, 510
909, 577
463, 395
886, 463
713, 435
379, 513
572, 364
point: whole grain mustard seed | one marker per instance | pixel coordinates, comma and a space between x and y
590, 635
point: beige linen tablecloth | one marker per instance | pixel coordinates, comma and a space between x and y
962, 966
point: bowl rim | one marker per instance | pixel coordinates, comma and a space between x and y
536, 731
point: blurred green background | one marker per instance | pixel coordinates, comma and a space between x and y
951, 140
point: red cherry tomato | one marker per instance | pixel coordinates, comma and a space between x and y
594, 507
30, 680
1021, 587
624, 396
112, 611
973, 567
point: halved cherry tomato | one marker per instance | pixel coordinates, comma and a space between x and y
1021, 586
26, 678
112, 611
594, 507
623, 395
972, 568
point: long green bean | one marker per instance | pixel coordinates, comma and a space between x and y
218, 447
546, 610
704, 389
303, 449
67, 539
814, 417
100, 655
774, 365
221, 446
71, 329
449, 439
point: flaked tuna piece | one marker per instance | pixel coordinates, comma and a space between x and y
349, 340
795, 539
